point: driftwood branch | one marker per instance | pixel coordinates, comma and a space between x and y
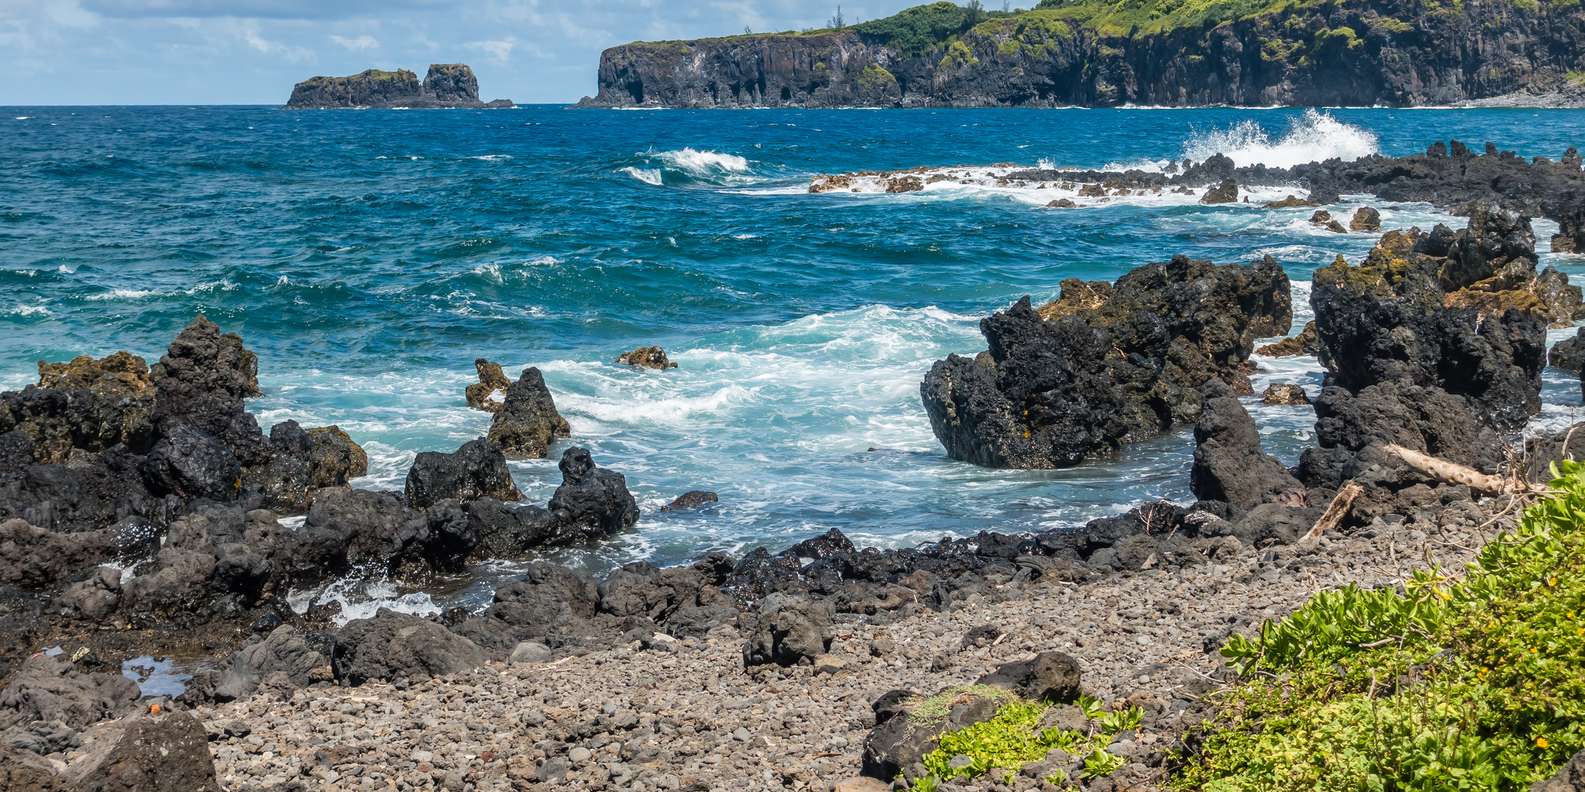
1453, 473
1335, 512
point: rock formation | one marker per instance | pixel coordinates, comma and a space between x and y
1115, 363
528, 422
1085, 52
446, 85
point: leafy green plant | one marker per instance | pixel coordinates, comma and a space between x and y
1013, 738
1447, 684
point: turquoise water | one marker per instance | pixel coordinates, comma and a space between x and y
369, 257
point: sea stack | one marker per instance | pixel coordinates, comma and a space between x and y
446, 85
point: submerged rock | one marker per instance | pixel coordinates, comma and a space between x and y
528, 422
695, 499
650, 357
489, 393
1113, 366
1324, 219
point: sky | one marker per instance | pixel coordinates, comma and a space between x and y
72, 52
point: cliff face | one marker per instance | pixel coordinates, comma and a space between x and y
1307, 52
446, 85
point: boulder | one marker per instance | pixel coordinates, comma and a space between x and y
908, 727
476, 470
790, 631
1222, 193
489, 393
1049, 394
51, 689
1562, 300
1048, 676
1365, 219
24, 771
284, 651
592, 502
509, 531
1351, 428
1569, 354
392, 646
1290, 202
527, 422
650, 357
145, 752
1229, 464
333, 458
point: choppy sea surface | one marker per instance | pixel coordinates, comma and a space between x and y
370, 256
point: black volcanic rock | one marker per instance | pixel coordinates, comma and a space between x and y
446, 85
1085, 52
1114, 365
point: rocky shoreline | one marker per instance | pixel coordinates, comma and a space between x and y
446, 85
1357, 53
143, 511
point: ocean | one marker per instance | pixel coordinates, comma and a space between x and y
369, 256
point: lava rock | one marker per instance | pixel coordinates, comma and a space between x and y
1225, 192
51, 689
527, 422
1365, 219
790, 630
285, 651
1284, 395
1048, 676
591, 501
1568, 354
1049, 394
489, 393
146, 752
476, 470
392, 646
688, 501
1229, 464
650, 357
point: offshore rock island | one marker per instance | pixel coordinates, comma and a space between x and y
1145, 52
447, 85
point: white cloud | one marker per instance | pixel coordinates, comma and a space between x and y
361, 43
248, 31
500, 50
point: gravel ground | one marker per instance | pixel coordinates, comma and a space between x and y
686, 715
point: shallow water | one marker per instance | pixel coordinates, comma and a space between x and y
370, 256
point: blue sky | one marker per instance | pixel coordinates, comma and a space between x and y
252, 51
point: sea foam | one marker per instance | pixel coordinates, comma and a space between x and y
1313, 137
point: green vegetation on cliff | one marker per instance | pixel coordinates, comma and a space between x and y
1472, 684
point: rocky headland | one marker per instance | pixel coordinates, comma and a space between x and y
143, 511
447, 85
1084, 52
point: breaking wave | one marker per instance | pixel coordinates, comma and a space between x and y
690, 166
1313, 137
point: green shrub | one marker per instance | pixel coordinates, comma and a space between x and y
1013, 738
1448, 684
918, 29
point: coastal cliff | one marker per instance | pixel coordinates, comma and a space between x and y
446, 85
1083, 52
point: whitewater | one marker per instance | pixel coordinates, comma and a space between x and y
369, 257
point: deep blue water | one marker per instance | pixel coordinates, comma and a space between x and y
369, 257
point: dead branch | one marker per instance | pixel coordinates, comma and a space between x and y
1335, 512
1454, 473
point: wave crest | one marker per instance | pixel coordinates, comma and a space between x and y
1313, 137
689, 165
